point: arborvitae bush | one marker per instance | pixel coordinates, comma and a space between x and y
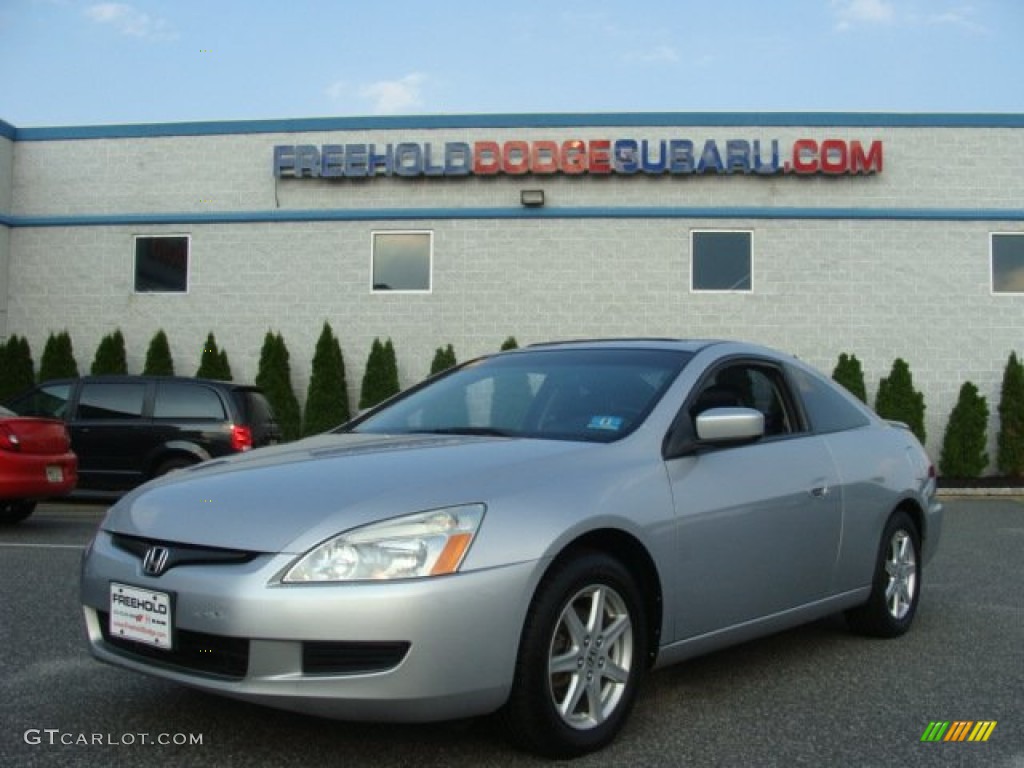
963, 446
158, 356
380, 380
327, 399
898, 400
214, 362
1010, 440
849, 373
17, 371
444, 359
111, 357
58, 360
509, 343
275, 379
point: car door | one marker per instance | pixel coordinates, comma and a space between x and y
758, 524
110, 433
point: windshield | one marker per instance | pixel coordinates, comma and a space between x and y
596, 395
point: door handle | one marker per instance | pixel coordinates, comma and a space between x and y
819, 492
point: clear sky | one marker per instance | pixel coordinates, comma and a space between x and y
83, 62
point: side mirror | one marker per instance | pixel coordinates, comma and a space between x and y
718, 426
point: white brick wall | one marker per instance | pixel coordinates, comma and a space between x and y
877, 288
6, 179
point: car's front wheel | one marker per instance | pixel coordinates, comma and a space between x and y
581, 658
896, 587
15, 511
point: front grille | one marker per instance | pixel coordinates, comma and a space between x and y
353, 658
193, 651
182, 554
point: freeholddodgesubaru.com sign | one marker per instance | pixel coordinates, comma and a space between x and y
518, 157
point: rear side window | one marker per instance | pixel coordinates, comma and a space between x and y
179, 400
111, 400
50, 400
255, 408
827, 408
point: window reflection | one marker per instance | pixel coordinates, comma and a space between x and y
402, 261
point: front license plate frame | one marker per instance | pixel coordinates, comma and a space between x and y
54, 473
143, 616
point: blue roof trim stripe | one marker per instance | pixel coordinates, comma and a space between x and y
7, 130
494, 121
448, 214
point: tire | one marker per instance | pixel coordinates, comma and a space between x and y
12, 512
582, 656
896, 586
172, 465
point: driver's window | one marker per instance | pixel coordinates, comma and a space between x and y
748, 385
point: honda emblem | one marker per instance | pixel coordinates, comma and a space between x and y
155, 561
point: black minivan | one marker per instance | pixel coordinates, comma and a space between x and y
129, 429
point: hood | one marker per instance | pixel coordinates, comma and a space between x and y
290, 497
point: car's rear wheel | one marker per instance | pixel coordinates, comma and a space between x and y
581, 658
15, 511
896, 587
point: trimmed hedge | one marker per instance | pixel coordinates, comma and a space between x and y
17, 371
327, 399
111, 357
380, 380
963, 445
275, 379
444, 358
58, 361
158, 357
1010, 440
214, 362
850, 374
898, 400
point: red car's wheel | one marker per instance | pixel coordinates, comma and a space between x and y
15, 511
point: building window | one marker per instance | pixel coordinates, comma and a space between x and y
402, 261
161, 263
1008, 262
720, 261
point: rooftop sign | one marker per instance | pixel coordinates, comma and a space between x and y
625, 157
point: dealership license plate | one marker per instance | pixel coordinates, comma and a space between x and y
140, 615
55, 474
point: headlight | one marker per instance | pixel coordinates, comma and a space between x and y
426, 544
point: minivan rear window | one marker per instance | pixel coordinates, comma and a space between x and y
179, 400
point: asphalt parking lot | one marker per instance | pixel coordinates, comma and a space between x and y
815, 696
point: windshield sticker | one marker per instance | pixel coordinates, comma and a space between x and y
609, 423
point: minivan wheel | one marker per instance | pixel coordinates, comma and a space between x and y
896, 587
581, 658
12, 512
172, 465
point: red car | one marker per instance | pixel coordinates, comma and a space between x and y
35, 462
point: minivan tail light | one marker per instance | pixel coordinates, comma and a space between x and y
241, 438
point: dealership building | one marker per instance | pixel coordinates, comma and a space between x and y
881, 235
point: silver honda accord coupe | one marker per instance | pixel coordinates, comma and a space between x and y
528, 534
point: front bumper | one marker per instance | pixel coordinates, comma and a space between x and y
461, 633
